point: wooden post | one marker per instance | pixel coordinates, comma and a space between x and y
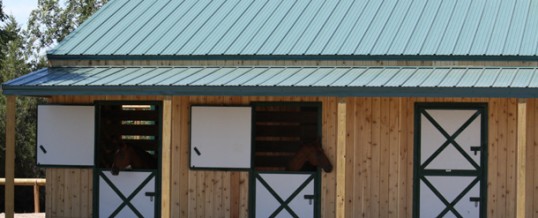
166, 158
36, 197
521, 157
341, 159
10, 156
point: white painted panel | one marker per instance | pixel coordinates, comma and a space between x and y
108, 199
266, 203
430, 205
449, 187
431, 139
301, 206
126, 182
451, 119
221, 137
65, 135
284, 185
145, 204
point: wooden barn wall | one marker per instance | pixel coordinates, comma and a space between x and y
380, 156
194, 193
379, 161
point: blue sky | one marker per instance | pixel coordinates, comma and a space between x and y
20, 9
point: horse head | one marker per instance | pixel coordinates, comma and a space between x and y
312, 153
122, 158
316, 156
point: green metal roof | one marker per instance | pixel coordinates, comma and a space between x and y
279, 81
307, 29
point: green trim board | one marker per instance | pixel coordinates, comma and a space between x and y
473, 174
419, 81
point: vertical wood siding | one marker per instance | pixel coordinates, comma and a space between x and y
532, 162
379, 161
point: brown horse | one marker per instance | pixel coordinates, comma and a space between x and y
310, 153
130, 157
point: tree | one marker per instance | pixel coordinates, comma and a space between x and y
21, 53
50, 23
13, 62
5, 35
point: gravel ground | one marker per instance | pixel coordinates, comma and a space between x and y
26, 215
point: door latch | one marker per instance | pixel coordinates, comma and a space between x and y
310, 198
476, 200
476, 149
150, 195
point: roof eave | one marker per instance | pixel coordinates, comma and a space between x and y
486, 92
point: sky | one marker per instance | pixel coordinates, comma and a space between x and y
20, 9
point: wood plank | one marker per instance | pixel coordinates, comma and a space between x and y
375, 144
406, 145
176, 195
244, 195
86, 192
521, 158
11, 122
166, 150
529, 183
359, 176
304, 117
350, 158
511, 158
493, 154
330, 149
394, 151
341, 159
308, 131
185, 178
367, 157
501, 174
535, 162
235, 194
384, 157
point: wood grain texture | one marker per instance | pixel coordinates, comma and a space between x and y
341, 159
521, 158
166, 150
11, 122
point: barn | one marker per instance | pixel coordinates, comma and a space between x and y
424, 108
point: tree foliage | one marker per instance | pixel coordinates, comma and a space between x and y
22, 51
51, 23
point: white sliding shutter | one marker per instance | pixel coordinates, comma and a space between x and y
221, 137
65, 135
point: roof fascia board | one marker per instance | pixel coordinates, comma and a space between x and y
274, 91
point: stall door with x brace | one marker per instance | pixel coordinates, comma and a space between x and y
450, 160
134, 127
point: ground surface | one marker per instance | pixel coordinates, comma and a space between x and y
26, 215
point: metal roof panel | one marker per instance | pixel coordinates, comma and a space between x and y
291, 81
309, 28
